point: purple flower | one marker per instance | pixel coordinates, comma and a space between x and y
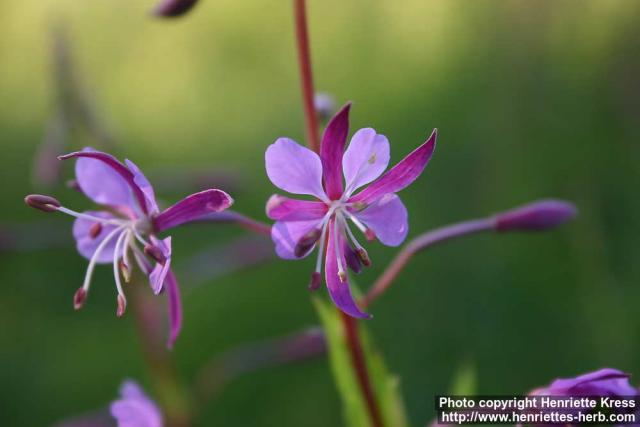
604, 382
324, 222
135, 408
129, 216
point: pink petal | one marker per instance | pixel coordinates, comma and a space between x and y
192, 208
365, 159
287, 234
294, 168
86, 244
339, 291
282, 208
159, 273
388, 218
104, 179
144, 184
401, 175
175, 308
332, 149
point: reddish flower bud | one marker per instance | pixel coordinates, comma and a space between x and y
43, 203
79, 298
536, 216
173, 8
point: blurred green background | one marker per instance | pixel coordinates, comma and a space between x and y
532, 99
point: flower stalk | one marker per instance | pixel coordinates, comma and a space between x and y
349, 323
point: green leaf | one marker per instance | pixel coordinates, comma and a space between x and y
385, 385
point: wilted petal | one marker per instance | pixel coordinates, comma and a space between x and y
86, 244
134, 408
282, 208
175, 308
332, 150
104, 179
144, 184
294, 168
401, 175
193, 208
388, 219
339, 291
160, 271
365, 159
287, 234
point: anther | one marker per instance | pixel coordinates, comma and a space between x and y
125, 270
155, 253
95, 230
364, 257
370, 235
306, 242
79, 298
43, 203
314, 284
122, 305
342, 275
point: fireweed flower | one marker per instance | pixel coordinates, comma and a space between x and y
604, 382
129, 218
376, 211
134, 408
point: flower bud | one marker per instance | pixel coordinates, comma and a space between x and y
306, 242
536, 216
325, 105
172, 8
79, 298
122, 306
314, 284
43, 203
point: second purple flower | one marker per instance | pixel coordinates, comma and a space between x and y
376, 210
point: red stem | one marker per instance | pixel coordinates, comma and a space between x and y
360, 366
304, 61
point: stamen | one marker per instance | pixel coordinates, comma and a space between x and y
336, 245
154, 252
95, 230
125, 266
79, 298
43, 203
91, 217
314, 284
116, 270
142, 262
306, 242
359, 224
323, 238
122, 305
96, 254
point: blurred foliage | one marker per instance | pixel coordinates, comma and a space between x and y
532, 99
